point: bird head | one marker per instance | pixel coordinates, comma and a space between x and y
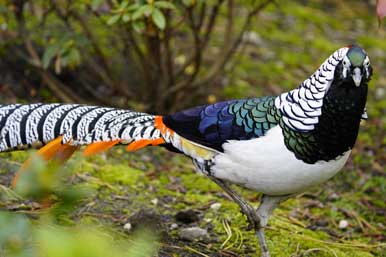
341, 79
354, 69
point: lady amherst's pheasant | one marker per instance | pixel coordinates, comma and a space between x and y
276, 145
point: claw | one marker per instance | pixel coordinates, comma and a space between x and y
252, 217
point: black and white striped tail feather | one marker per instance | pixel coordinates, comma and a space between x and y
34, 125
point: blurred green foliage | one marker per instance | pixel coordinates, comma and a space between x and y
48, 236
136, 12
19, 237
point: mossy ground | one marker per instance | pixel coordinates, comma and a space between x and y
292, 41
156, 185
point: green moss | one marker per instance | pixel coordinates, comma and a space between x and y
197, 183
120, 174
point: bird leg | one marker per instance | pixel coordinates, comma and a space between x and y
267, 206
253, 218
263, 244
257, 219
246, 208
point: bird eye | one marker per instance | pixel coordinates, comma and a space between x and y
366, 62
344, 63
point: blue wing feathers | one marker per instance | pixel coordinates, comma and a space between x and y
212, 125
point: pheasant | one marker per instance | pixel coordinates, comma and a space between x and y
276, 145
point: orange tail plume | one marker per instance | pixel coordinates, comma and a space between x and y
99, 147
53, 150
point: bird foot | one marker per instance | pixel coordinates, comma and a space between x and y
252, 217
263, 244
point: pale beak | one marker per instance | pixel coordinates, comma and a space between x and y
364, 115
357, 76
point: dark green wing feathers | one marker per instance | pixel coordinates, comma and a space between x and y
256, 116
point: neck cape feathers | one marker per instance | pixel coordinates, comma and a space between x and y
302, 107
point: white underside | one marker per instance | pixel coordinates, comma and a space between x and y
266, 165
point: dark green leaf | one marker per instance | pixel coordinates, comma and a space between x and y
113, 19
133, 7
126, 17
49, 54
74, 57
164, 5
158, 18
138, 26
123, 5
144, 10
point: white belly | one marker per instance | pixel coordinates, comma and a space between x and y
265, 164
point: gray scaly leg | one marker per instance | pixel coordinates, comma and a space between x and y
246, 208
263, 244
267, 206
257, 219
252, 216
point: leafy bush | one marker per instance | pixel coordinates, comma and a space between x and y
161, 53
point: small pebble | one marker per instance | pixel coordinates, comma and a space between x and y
127, 227
343, 224
333, 197
193, 233
154, 201
215, 206
173, 226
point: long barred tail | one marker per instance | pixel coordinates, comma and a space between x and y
37, 125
